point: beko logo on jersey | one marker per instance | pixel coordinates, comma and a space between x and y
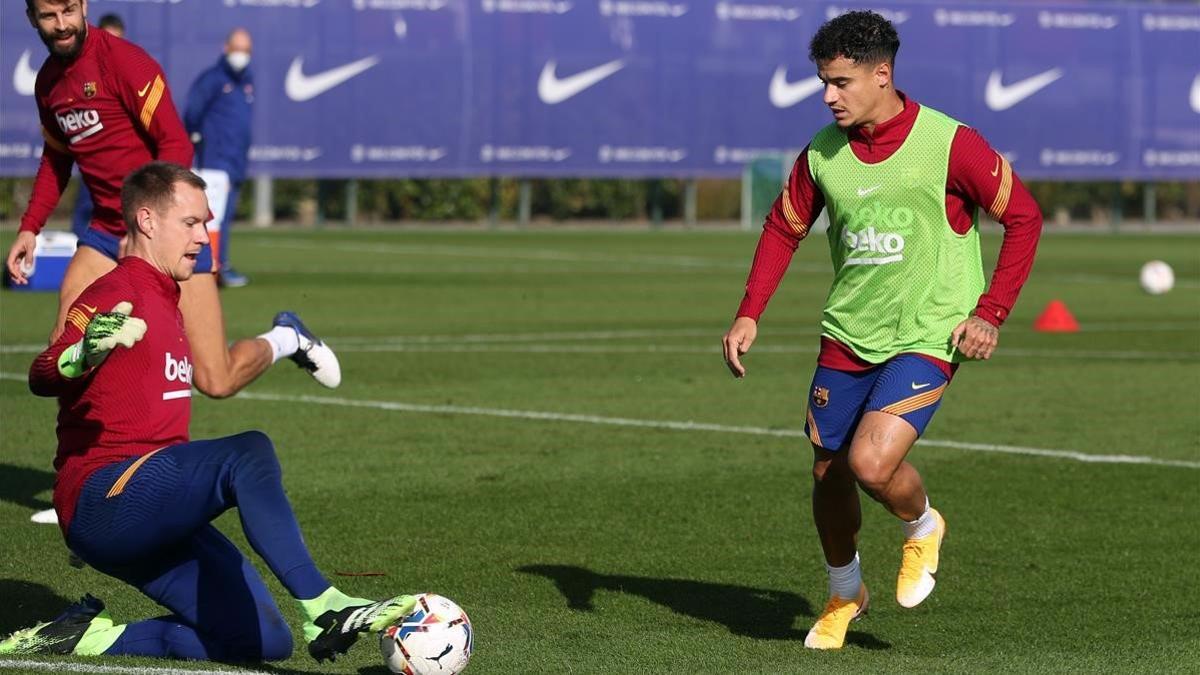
871, 240
860, 233
178, 371
86, 122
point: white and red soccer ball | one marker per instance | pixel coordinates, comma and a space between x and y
435, 638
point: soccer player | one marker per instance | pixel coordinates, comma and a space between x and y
902, 184
81, 215
105, 105
136, 497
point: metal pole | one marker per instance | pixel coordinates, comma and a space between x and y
352, 201
1150, 202
524, 202
690, 190
264, 201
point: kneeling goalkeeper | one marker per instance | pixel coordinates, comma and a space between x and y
136, 498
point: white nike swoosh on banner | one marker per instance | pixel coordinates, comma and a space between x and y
999, 96
786, 94
552, 89
301, 87
1195, 97
24, 77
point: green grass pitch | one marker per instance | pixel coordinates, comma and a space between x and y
499, 438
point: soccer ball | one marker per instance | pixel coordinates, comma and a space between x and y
1157, 277
435, 638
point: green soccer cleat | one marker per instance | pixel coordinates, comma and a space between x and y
82, 629
335, 630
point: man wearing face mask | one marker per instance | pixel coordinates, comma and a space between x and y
218, 116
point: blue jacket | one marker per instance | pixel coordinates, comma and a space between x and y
219, 109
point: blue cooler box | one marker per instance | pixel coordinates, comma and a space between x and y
50, 257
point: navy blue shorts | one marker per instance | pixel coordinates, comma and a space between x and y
110, 246
101, 241
908, 386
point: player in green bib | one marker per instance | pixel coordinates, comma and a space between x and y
902, 185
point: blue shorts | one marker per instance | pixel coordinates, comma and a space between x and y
908, 386
110, 246
104, 242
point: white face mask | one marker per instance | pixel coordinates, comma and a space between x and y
238, 60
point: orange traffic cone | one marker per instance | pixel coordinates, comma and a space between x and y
1056, 318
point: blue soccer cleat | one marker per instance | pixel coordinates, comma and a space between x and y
231, 278
314, 355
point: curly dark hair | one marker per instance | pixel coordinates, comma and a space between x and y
861, 36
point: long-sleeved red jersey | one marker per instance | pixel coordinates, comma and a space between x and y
110, 111
137, 400
976, 176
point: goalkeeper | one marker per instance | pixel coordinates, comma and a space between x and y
136, 498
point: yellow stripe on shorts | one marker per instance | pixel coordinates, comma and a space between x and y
119, 486
907, 405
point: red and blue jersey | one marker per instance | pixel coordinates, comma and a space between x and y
109, 110
138, 400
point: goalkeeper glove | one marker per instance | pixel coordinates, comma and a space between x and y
105, 331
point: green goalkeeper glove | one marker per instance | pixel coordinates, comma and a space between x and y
105, 331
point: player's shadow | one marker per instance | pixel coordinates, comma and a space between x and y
27, 603
21, 485
752, 612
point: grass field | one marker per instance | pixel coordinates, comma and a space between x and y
539, 426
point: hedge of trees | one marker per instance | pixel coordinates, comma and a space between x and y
619, 200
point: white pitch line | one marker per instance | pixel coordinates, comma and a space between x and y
68, 667
552, 336
396, 406
449, 347
1069, 354
544, 416
522, 254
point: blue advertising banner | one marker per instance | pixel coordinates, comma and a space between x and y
629, 88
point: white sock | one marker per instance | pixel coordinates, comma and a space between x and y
284, 341
845, 581
923, 526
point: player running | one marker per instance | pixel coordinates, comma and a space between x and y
136, 498
104, 104
902, 184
